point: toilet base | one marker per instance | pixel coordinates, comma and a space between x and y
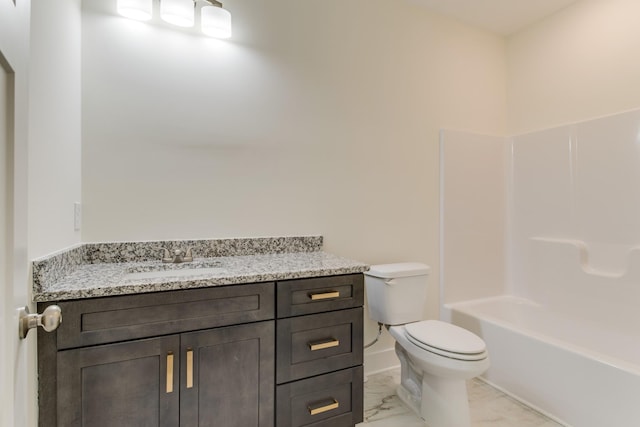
435, 411
441, 402
444, 402
409, 399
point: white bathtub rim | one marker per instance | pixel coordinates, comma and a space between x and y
466, 307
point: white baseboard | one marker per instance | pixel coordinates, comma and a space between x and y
380, 361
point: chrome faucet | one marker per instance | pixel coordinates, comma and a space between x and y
178, 256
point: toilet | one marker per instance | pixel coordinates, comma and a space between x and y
436, 358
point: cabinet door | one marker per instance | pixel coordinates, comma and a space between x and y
127, 384
227, 377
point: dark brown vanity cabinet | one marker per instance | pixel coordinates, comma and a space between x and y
208, 361
319, 346
271, 354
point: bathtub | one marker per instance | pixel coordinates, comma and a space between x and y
580, 372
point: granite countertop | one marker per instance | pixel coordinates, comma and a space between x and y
108, 269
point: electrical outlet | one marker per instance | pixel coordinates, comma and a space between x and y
77, 216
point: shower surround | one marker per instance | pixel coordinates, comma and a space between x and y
540, 245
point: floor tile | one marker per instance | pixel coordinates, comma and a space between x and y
489, 407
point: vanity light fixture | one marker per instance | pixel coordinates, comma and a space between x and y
215, 21
140, 10
178, 12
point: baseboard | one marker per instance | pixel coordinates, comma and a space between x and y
380, 361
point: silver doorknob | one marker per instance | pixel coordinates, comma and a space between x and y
50, 319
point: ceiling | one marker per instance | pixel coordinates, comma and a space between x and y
503, 17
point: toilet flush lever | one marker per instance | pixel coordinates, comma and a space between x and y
50, 319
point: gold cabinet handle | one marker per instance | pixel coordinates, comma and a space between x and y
321, 345
189, 368
315, 410
324, 295
170, 372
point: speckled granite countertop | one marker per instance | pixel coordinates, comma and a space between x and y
107, 269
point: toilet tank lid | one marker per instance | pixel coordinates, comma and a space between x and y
401, 269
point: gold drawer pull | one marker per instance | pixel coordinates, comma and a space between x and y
170, 372
189, 368
321, 345
320, 409
324, 295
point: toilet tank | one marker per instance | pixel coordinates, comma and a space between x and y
396, 293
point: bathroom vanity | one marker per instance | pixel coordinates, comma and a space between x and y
281, 346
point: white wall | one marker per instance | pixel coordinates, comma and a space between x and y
54, 128
54, 177
473, 179
317, 117
578, 64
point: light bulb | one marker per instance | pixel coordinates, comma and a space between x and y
177, 12
140, 10
216, 22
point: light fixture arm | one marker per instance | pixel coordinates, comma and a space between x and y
214, 3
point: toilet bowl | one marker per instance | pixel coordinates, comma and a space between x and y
436, 358
434, 385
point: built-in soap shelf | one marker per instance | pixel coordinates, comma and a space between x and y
568, 257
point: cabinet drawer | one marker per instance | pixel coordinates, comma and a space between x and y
318, 343
112, 319
330, 400
308, 296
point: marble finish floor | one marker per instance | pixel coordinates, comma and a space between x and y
489, 407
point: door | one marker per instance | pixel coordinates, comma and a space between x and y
17, 406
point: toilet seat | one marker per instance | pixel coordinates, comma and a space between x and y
446, 340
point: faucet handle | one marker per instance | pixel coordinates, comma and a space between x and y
166, 255
188, 256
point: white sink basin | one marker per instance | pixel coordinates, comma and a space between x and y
177, 273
